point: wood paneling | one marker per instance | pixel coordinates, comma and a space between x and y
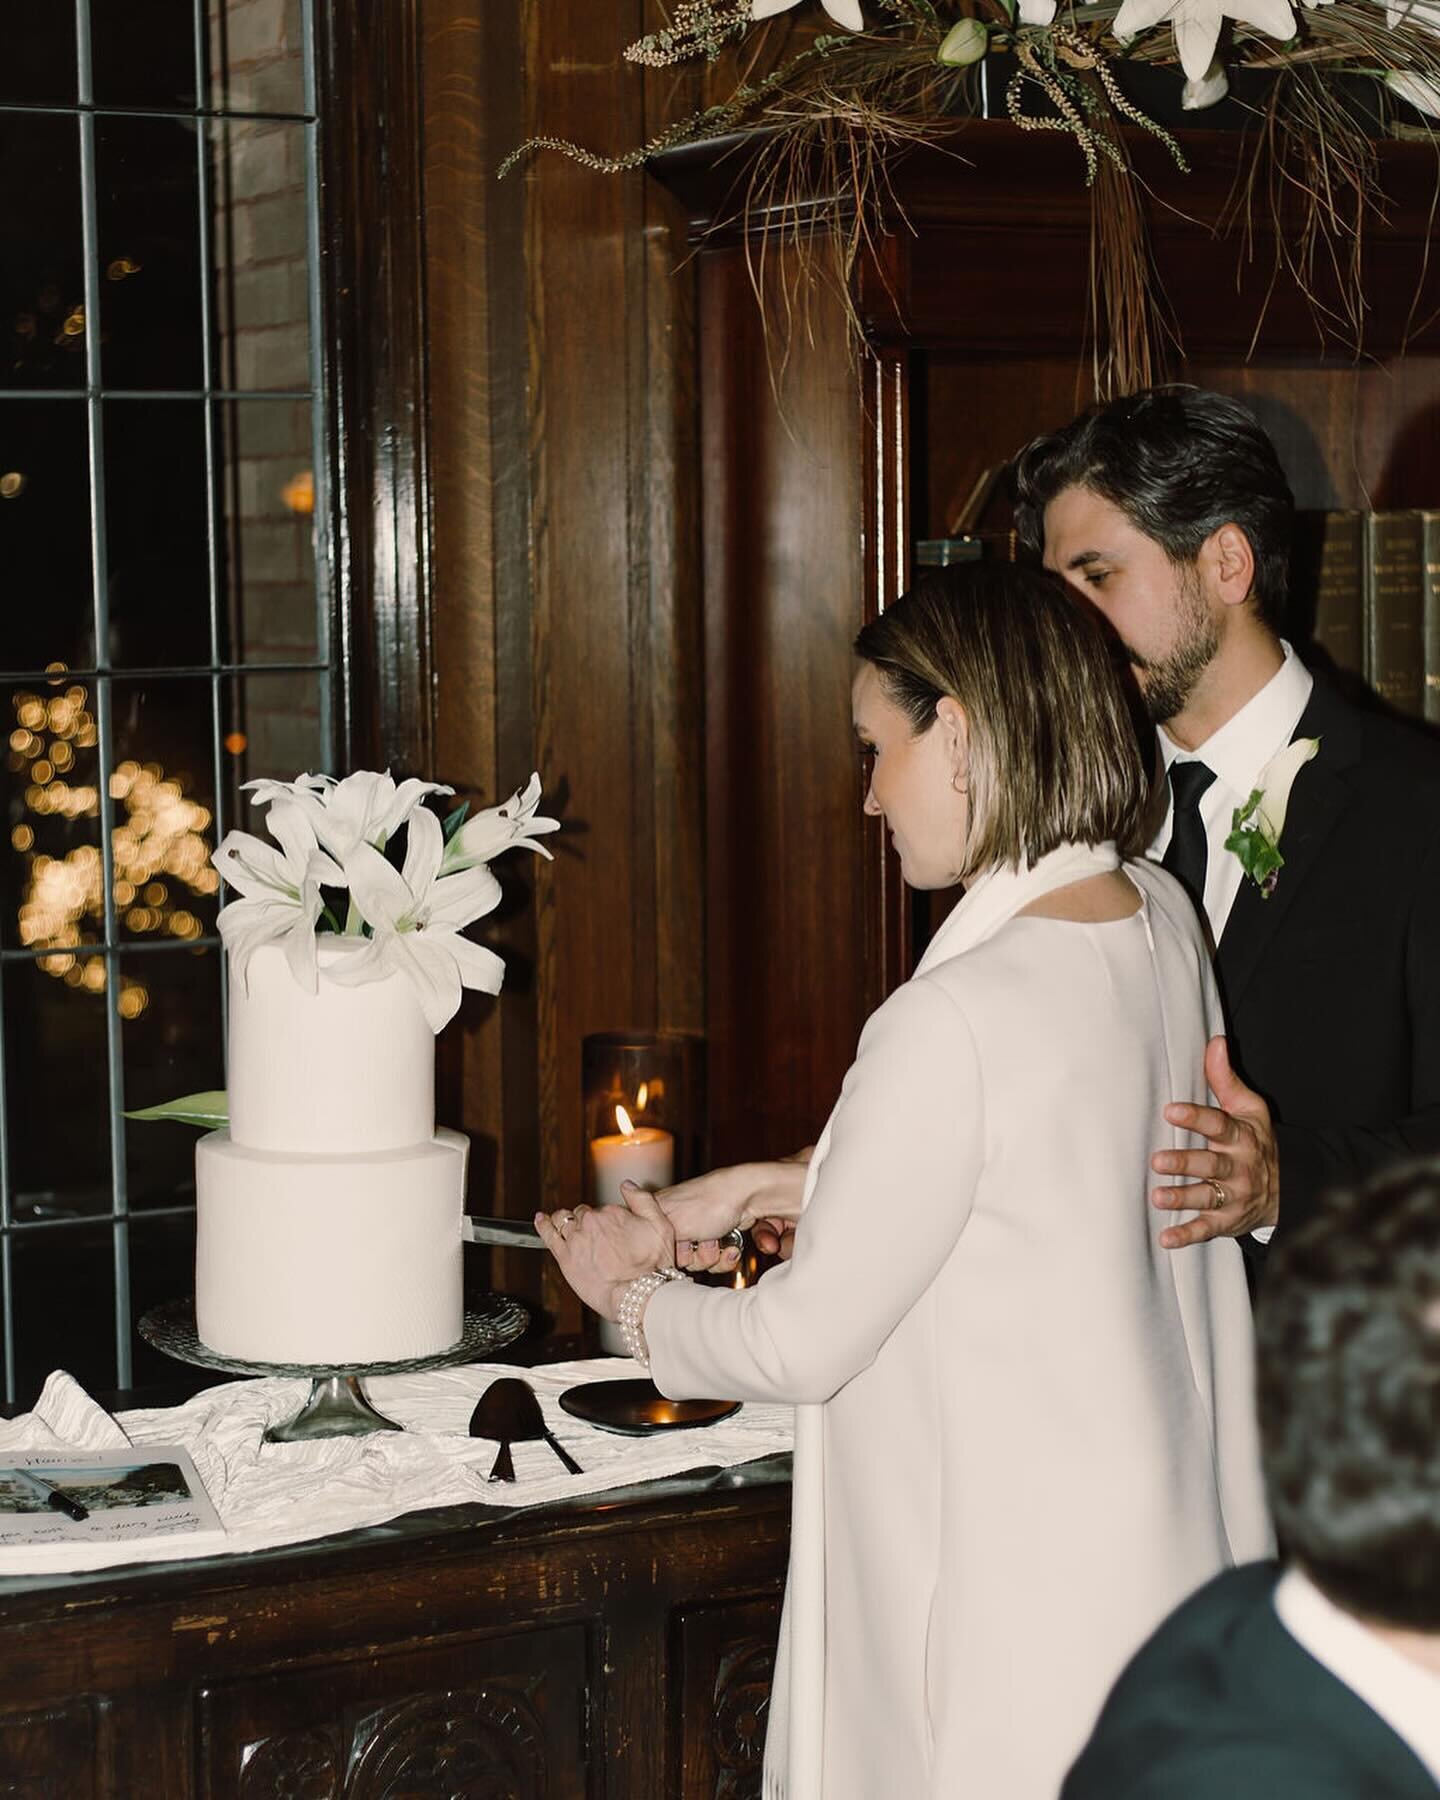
566, 614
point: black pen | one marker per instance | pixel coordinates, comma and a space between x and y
55, 1497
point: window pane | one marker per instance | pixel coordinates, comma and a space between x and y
273, 729
170, 1005
268, 504
42, 279
156, 533
261, 260
257, 56
162, 1268
57, 1094
142, 52
149, 227
64, 1308
37, 54
164, 786
50, 871
45, 533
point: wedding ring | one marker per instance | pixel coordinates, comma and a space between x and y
564, 1220
1221, 1197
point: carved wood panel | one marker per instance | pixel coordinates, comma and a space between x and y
53, 1753
473, 1719
726, 1664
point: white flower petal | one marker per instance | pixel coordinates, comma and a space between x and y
300, 951
844, 12
1276, 18
1415, 90
407, 798
246, 925
479, 968
369, 961
424, 852
1213, 86
1196, 29
458, 900
379, 891
1425, 13
1037, 12
253, 867
764, 9
1276, 780
428, 964
1136, 16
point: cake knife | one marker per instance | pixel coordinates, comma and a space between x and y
510, 1234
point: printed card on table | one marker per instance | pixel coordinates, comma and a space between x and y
56, 1498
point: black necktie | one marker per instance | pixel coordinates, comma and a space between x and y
1186, 854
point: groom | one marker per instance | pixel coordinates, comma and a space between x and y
1168, 510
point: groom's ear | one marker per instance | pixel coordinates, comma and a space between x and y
1230, 561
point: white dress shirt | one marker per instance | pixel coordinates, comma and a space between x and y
1406, 1696
1237, 752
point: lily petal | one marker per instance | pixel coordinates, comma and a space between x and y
479, 968
1037, 12
432, 971
1276, 780
764, 9
1214, 85
1415, 90
424, 852
1276, 18
1197, 28
1136, 16
845, 12
458, 900
378, 890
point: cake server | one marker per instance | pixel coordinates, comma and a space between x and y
511, 1234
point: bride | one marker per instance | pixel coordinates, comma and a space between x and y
1024, 1432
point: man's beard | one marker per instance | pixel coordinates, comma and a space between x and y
1170, 680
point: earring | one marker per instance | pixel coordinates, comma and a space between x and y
960, 787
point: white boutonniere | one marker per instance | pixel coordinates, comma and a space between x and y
1255, 827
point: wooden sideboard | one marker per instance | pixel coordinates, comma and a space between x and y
620, 1646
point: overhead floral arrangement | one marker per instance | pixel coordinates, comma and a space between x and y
887, 74
368, 860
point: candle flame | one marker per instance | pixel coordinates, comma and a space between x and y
622, 1119
641, 1096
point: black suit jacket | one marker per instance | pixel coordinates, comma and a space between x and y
1223, 1704
1331, 987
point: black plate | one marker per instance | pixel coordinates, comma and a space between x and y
637, 1408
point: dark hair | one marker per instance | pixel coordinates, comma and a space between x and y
1053, 756
1179, 462
1348, 1341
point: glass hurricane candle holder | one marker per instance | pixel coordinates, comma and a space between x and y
644, 1118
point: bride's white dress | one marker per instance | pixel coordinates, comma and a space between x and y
1025, 1432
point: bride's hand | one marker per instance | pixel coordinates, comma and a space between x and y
703, 1210
601, 1248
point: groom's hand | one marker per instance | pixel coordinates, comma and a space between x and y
1235, 1182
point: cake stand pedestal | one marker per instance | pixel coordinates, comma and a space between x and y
336, 1405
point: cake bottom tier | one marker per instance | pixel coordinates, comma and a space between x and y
329, 1259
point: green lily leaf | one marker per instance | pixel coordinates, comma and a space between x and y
211, 1111
454, 820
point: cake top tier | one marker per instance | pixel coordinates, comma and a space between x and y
344, 1070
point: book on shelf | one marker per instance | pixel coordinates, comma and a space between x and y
59, 1499
1374, 581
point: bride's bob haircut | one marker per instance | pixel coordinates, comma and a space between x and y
1053, 753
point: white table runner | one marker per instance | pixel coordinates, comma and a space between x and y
273, 1494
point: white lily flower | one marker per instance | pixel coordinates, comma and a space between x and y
498, 828
1197, 24
843, 12
417, 919
1276, 780
1214, 85
364, 808
1416, 90
280, 891
1037, 12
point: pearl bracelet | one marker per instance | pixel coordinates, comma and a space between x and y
633, 1300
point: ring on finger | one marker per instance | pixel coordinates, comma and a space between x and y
1218, 1189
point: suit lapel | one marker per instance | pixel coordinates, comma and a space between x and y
1320, 795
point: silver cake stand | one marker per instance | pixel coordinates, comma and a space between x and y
336, 1406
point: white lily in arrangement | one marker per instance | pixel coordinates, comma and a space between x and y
416, 914
1197, 25
1213, 85
280, 891
499, 828
843, 12
364, 808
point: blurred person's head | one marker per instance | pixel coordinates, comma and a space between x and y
1348, 1342
998, 724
